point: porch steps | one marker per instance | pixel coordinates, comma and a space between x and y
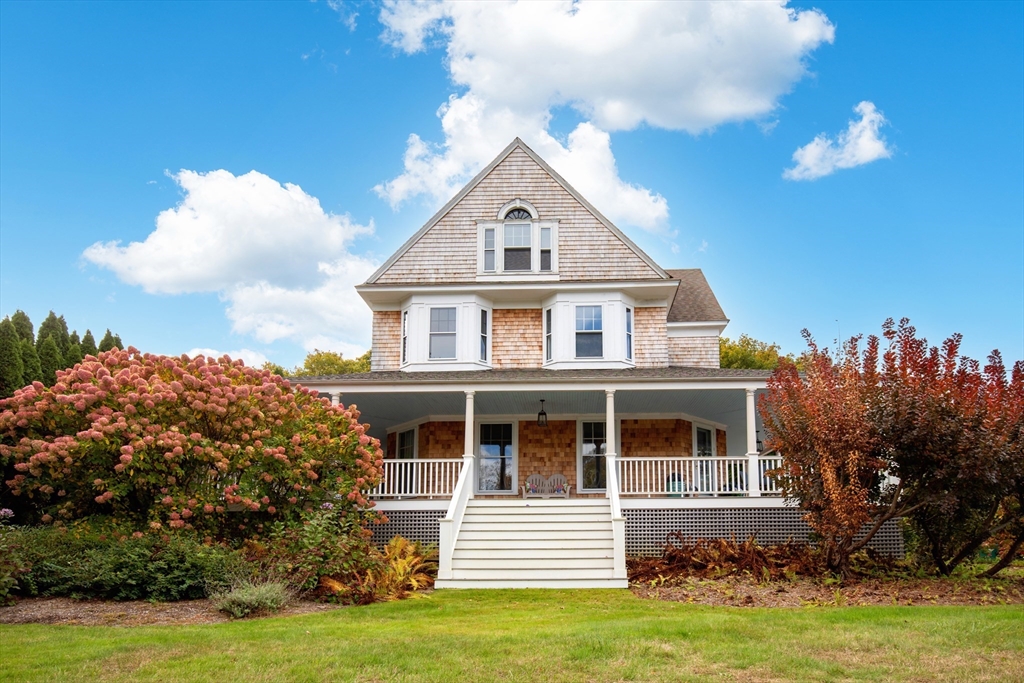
535, 543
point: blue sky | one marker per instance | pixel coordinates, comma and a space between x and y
102, 106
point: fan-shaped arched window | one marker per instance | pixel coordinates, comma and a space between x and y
518, 215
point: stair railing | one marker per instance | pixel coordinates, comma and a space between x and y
618, 521
452, 521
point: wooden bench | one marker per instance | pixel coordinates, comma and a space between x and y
539, 486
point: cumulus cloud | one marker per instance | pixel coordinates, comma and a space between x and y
279, 261
859, 144
248, 356
677, 66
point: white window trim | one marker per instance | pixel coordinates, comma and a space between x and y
579, 447
575, 331
430, 334
492, 420
499, 273
630, 327
405, 338
548, 323
415, 429
487, 334
695, 424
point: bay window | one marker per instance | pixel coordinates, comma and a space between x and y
589, 332
442, 333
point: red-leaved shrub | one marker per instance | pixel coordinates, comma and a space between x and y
203, 444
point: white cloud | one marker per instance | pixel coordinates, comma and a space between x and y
679, 66
280, 262
249, 357
859, 144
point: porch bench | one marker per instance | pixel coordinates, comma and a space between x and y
539, 486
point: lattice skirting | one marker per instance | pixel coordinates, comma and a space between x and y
647, 530
415, 525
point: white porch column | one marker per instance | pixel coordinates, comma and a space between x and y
468, 454
611, 468
753, 457
335, 398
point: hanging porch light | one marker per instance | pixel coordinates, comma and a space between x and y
542, 417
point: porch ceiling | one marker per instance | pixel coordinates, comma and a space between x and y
384, 410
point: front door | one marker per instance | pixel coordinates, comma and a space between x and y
593, 449
495, 460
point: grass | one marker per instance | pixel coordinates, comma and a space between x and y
538, 636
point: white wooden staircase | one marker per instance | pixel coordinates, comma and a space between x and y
535, 543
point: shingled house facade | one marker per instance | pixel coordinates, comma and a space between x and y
598, 417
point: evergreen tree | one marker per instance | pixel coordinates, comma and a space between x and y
30, 361
108, 342
11, 369
58, 329
75, 339
50, 359
89, 344
117, 342
74, 357
23, 324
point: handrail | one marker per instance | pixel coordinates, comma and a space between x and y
418, 477
618, 521
451, 523
677, 476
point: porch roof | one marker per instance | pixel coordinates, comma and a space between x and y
539, 375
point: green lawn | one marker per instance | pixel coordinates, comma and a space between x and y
538, 636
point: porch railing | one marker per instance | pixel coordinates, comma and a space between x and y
420, 478
766, 463
676, 477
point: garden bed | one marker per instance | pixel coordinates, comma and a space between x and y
743, 591
66, 611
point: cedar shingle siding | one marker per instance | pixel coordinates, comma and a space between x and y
650, 337
587, 250
693, 352
386, 353
517, 339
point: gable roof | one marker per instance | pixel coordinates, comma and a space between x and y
693, 301
516, 144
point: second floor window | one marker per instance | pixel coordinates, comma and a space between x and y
547, 335
483, 335
629, 334
405, 336
545, 249
517, 246
442, 333
589, 335
489, 250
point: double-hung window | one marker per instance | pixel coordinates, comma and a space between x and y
483, 335
547, 335
545, 249
405, 336
489, 250
629, 334
517, 251
589, 335
593, 455
442, 333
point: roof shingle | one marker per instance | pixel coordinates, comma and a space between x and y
694, 301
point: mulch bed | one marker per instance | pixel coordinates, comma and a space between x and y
744, 591
66, 611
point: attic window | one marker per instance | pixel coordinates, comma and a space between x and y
518, 215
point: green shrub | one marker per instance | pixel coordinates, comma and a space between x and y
86, 562
11, 563
253, 598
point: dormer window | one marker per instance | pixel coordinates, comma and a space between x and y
518, 243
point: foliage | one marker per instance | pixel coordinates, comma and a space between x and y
106, 561
11, 564
406, 566
24, 326
749, 353
30, 359
330, 363
182, 443
251, 598
911, 431
110, 341
39, 364
50, 360
12, 370
89, 347
325, 544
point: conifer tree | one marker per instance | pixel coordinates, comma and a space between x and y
74, 356
108, 342
74, 338
50, 359
33, 372
89, 344
23, 324
11, 370
117, 342
56, 327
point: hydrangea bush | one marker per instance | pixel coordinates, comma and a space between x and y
179, 443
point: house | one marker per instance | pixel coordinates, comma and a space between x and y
519, 332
